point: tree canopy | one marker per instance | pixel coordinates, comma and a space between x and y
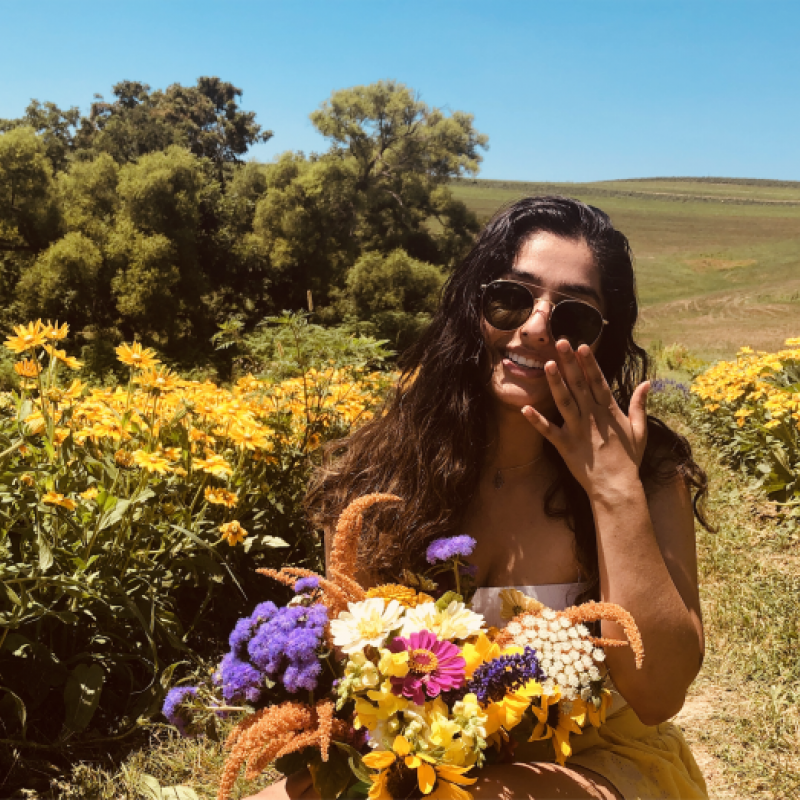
143, 218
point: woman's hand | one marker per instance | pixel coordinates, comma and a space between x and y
297, 786
599, 444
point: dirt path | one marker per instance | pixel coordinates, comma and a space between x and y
693, 719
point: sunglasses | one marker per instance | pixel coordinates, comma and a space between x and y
507, 305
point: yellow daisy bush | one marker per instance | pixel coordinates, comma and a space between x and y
753, 402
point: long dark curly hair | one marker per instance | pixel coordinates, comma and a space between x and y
429, 445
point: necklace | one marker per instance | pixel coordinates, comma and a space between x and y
499, 481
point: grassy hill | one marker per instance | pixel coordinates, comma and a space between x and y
718, 259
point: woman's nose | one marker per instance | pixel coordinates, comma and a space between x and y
536, 325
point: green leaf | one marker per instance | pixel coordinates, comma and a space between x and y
446, 599
19, 706
356, 762
82, 695
332, 777
45, 553
10, 594
178, 793
150, 787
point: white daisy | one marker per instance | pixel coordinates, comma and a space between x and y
366, 623
455, 622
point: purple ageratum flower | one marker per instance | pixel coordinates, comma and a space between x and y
304, 585
493, 679
285, 647
449, 547
245, 628
174, 708
434, 666
240, 681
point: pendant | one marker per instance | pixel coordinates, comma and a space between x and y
498, 480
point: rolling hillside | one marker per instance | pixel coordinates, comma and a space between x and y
718, 259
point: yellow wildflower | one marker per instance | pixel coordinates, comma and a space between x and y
61, 355
29, 368
233, 532
90, 493
221, 497
28, 337
124, 459
553, 722
55, 333
137, 357
56, 499
514, 602
248, 437
404, 595
28, 480
151, 462
213, 464
158, 380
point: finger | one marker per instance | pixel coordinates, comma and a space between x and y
561, 394
551, 432
298, 783
573, 374
637, 414
598, 385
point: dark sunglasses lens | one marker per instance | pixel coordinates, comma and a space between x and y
578, 323
506, 306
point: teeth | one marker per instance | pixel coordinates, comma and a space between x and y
524, 362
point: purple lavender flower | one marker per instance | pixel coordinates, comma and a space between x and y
449, 547
304, 585
174, 708
493, 679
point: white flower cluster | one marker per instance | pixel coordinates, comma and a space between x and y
568, 657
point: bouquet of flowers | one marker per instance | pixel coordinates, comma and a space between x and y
393, 692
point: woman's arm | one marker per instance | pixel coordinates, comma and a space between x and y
648, 565
645, 545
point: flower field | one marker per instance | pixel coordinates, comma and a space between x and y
752, 409
132, 516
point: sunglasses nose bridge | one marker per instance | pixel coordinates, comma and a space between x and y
538, 323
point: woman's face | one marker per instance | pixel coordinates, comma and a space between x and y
557, 265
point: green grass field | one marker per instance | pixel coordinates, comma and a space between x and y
718, 260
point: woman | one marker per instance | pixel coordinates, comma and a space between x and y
521, 421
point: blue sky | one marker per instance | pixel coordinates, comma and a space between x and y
567, 90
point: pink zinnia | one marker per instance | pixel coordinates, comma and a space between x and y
433, 666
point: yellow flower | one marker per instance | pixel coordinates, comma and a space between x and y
61, 355
151, 462
90, 493
29, 368
28, 480
248, 437
28, 337
54, 333
393, 664
35, 422
136, 357
158, 380
233, 532
514, 602
404, 595
214, 465
56, 499
221, 497
554, 722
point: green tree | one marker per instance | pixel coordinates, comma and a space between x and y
205, 118
395, 293
29, 218
56, 126
403, 153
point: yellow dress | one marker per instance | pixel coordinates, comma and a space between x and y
643, 762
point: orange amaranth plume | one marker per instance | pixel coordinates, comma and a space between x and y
344, 553
592, 612
276, 731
